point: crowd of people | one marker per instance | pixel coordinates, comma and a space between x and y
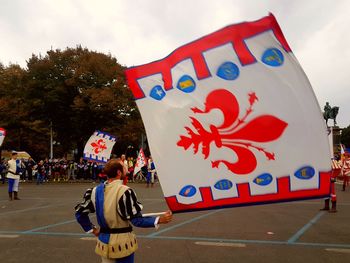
60, 170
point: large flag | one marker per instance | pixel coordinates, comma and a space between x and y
140, 161
2, 135
99, 147
232, 120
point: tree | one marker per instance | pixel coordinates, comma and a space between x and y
345, 136
13, 109
77, 91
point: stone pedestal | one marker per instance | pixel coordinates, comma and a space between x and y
336, 140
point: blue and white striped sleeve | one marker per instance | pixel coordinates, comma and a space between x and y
82, 211
129, 208
128, 205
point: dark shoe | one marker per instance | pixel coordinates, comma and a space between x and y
16, 196
334, 207
326, 205
10, 196
324, 209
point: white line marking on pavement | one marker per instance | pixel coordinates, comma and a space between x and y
88, 238
339, 250
220, 244
9, 236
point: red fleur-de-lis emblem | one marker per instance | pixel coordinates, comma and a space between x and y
99, 146
234, 133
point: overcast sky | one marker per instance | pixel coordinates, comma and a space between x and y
138, 32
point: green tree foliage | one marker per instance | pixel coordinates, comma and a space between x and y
345, 136
13, 106
77, 91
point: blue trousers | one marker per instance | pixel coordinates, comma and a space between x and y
39, 178
128, 259
11, 184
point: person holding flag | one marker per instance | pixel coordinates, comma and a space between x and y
13, 176
116, 208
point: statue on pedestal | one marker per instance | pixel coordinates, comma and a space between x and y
330, 113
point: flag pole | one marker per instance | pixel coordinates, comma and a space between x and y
154, 214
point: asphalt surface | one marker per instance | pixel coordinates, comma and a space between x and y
41, 228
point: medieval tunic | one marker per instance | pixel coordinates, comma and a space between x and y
13, 169
116, 206
13, 175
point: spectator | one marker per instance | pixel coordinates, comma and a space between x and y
80, 167
71, 170
151, 172
86, 174
29, 166
56, 171
63, 170
40, 173
3, 170
94, 171
48, 168
130, 169
23, 170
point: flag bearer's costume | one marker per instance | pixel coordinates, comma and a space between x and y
116, 206
13, 176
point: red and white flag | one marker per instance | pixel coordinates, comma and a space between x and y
342, 150
232, 120
140, 161
2, 135
99, 147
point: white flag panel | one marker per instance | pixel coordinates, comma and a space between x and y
99, 147
231, 119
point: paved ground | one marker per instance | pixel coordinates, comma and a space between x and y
41, 228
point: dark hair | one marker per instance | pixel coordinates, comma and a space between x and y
112, 167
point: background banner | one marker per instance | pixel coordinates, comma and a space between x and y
99, 147
2, 135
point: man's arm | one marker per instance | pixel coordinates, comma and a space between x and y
82, 211
129, 208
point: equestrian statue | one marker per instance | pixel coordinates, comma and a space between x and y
330, 113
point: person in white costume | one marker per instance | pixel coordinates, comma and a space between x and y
13, 176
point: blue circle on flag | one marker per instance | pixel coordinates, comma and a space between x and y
305, 173
228, 71
188, 191
157, 93
263, 179
223, 184
186, 84
273, 57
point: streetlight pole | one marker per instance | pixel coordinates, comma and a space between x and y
51, 141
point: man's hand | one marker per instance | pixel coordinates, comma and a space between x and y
166, 218
96, 231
